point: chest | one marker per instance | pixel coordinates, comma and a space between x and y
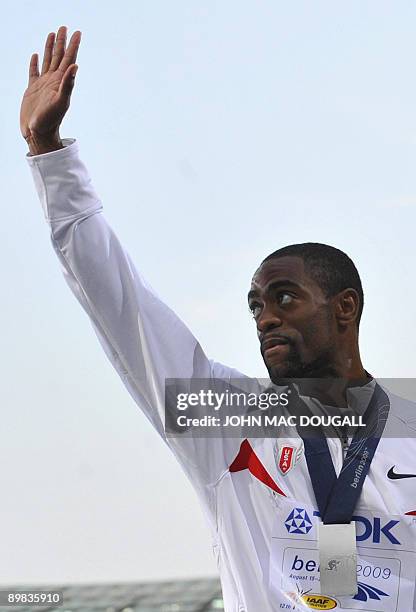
277, 468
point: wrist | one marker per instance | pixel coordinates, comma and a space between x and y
43, 143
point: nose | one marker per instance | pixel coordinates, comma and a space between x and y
267, 320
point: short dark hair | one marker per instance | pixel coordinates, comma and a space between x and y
328, 266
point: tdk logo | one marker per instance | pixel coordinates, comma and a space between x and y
298, 522
373, 529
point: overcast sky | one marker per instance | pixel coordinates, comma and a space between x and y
214, 132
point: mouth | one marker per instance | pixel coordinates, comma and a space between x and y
274, 349
271, 343
275, 353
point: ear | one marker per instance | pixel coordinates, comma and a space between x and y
347, 305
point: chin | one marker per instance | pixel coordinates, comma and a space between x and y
321, 367
283, 371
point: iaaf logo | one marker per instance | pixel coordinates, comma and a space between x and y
298, 522
312, 601
287, 458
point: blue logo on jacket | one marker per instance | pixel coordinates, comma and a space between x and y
298, 521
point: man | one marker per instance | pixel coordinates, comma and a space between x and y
266, 498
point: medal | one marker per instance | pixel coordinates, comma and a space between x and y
337, 497
338, 559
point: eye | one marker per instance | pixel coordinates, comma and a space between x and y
255, 309
284, 299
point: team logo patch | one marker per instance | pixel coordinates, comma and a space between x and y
287, 458
298, 521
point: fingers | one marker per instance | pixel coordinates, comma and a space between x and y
55, 55
67, 84
70, 56
47, 54
33, 68
59, 48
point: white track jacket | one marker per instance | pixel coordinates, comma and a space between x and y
261, 512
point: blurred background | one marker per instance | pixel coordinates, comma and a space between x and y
214, 133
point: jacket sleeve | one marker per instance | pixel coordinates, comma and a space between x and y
144, 340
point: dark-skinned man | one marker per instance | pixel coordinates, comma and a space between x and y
297, 523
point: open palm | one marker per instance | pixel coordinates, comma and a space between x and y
48, 94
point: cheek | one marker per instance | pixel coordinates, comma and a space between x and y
317, 333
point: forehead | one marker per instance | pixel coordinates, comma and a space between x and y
291, 269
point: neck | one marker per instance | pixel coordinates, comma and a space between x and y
349, 372
328, 379
347, 364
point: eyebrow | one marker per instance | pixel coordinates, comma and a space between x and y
272, 286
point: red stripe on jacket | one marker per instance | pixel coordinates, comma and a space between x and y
248, 460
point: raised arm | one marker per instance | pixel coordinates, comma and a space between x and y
145, 341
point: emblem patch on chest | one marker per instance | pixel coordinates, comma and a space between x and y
287, 457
